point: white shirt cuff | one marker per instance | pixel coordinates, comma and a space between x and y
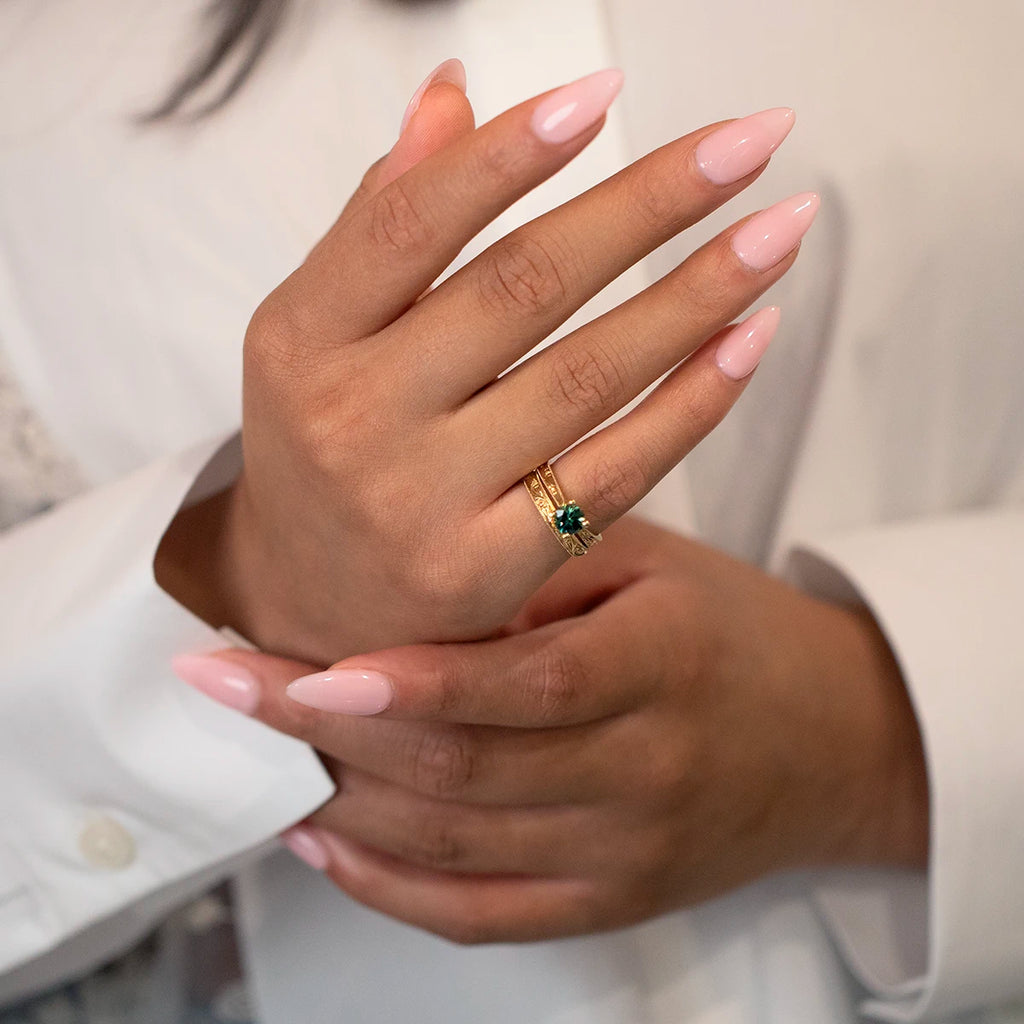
118, 779
948, 593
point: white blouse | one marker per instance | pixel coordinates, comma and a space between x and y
879, 456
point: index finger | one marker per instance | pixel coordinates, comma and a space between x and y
563, 674
383, 253
566, 673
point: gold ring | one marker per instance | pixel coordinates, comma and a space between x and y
566, 518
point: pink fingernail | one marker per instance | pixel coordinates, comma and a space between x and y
740, 147
740, 351
223, 680
452, 71
345, 691
306, 846
575, 107
774, 232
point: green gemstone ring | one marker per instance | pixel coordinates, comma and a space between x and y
566, 518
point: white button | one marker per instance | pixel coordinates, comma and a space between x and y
106, 844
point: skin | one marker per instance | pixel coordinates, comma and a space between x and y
661, 725
379, 443
653, 726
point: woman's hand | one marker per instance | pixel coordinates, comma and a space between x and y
380, 500
667, 724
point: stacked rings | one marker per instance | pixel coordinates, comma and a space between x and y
566, 518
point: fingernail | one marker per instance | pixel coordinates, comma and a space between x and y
306, 846
773, 233
740, 351
223, 680
452, 71
575, 107
347, 691
740, 147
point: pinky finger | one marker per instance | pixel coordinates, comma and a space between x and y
467, 909
610, 471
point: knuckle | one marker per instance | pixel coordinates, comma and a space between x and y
521, 276
501, 163
586, 378
612, 487
449, 684
397, 224
436, 845
317, 436
273, 341
655, 200
703, 410
704, 296
554, 681
444, 764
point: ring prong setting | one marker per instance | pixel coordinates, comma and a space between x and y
569, 519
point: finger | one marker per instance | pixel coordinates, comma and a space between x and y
566, 673
450, 761
445, 762
443, 115
609, 472
467, 909
438, 114
580, 585
567, 390
524, 286
448, 836
379, 257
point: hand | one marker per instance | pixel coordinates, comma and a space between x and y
663, 725
380, 500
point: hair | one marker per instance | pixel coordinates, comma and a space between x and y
237, 31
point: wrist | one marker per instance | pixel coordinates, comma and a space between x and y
887, 768
192, 562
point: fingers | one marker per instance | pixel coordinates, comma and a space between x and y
467, 909
449, 836
563, 674
523, 287
382, 254
609, 472
571, 387
565, 695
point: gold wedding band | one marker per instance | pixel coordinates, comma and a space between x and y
566, 518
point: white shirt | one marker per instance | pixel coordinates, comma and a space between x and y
879, 454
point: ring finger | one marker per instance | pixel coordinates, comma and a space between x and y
571, 387
453, 837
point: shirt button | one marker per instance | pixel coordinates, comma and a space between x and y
106, 844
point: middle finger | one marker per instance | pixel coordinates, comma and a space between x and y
524, 286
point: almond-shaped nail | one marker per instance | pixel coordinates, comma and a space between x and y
742, 146
740, 351
345, 691
306, 846
223, 680
452, 71
575, 107
774, 232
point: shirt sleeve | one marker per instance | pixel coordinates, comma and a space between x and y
120, 784
949, 595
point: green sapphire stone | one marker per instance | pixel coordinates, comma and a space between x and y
569, 519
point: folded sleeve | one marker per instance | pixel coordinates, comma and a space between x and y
120, 785
949, 595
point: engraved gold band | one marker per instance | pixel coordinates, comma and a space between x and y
565, 518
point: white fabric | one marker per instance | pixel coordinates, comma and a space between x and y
130, 260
